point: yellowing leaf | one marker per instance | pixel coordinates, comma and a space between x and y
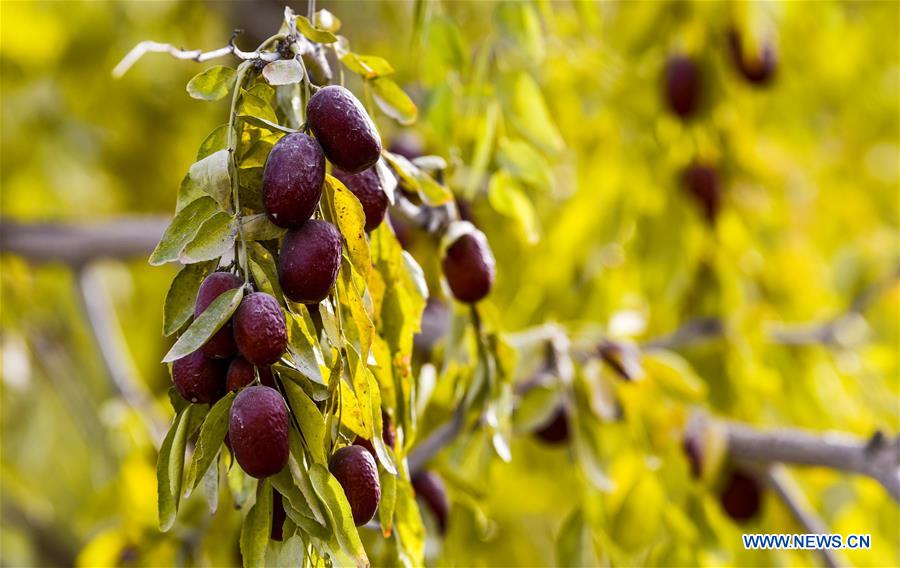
212, 84
393, 101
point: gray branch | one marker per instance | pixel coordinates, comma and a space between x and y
198, 55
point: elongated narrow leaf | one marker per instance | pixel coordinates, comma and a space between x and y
182, 295
388, 500
393, 101
212, 434
381, 450
507, 198
212, 84
209, 322
332, 494
257, 527
347, 213
264, 270
432, 192
304, 346
317, 392
367, 66
213, 176
387, 179
296, 506
169, 468
258, 227
283, 72
408, 523
305, 27
215, 238
523, 161
182, 230
312, 423
266, 124
211, 486
215, 141
252, 105
240, 485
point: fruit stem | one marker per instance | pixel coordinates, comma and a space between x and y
235, 186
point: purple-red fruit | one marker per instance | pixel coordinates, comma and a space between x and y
309, 261
430, 488
258, 431
278, 516
366, 186
757, 68
741, 496
435, 325
241, 373
344, 129
260, 330
469, 267
355, 470
556, 429
702, 182
682, 85
292, 180
221, 345
388, 434
199, 379
693, 451
408, 144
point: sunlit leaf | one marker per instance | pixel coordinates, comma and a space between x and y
258, 227
208, 323
257, 526
212, 84
212, 175
182, 230
215, 238
393, 101
182, 295
212, 434
253, 106
367, 66
332, 494
305, 27
508, 198
283, 72
348, 215
310, 419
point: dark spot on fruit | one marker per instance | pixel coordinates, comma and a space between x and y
682, 84
221, 345
469, 267
355, 470
259, 329
388, 434
198, 378
258, 430
741, 496
366, 186
292, 180
758, 67
278, 516
241, 373
429, 487
556, 429
344, 129
702, 183
309, 261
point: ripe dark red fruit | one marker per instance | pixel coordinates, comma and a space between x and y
469, 267
758, 68
278, 516
430, 488
260, 329
258, 431
741, 496
702, 182
682, 85
366, 186
292, 180
556, 429
355, 470
198, 378
388, 434
344, 129
221, 345
693, 451
309, 261
241, 373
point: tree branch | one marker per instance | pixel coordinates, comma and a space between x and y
145, 47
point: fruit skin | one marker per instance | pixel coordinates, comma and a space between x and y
309, 261
682, 85
758, 68
241, 373
221, 345
430, 488
198, 378
741, 496
355, 470
556, 429
702, 182
258, 431
366, 186
344, 129
260, 330
278, 516
292, 180
469, 267
388, 434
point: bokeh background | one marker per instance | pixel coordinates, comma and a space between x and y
600, 233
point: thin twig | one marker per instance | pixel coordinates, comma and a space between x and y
198, 55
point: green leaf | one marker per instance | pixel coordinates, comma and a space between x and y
393, 101
432, 192
258, 227
381, 450
263, 269
215, 141
271, 126
316, 391
573, 542
212, 434
169, 468
215, 237
507, 198
305, 27
182, 230
254, 106
347, 214
674, 375
211, 486
367, 66
444, 48
325, 20
388, 500
283, 72
257, 527
338, 510
208, 323
519, 24
305, 351
521, 160
212, 175
240, 484
408, 523
529, 113
310, 419
296, 506
212, 84
405, 170
182, 295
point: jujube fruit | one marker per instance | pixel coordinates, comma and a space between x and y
309, 261
260, 330
757, 68
242, 372
258, 431
221, 345
693, 451
469, 267
343, 128
701, 181
556, 429
388, 434
430, 488
741, 496
198, 378
355, 470
292, 180
682, 85
366, 186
